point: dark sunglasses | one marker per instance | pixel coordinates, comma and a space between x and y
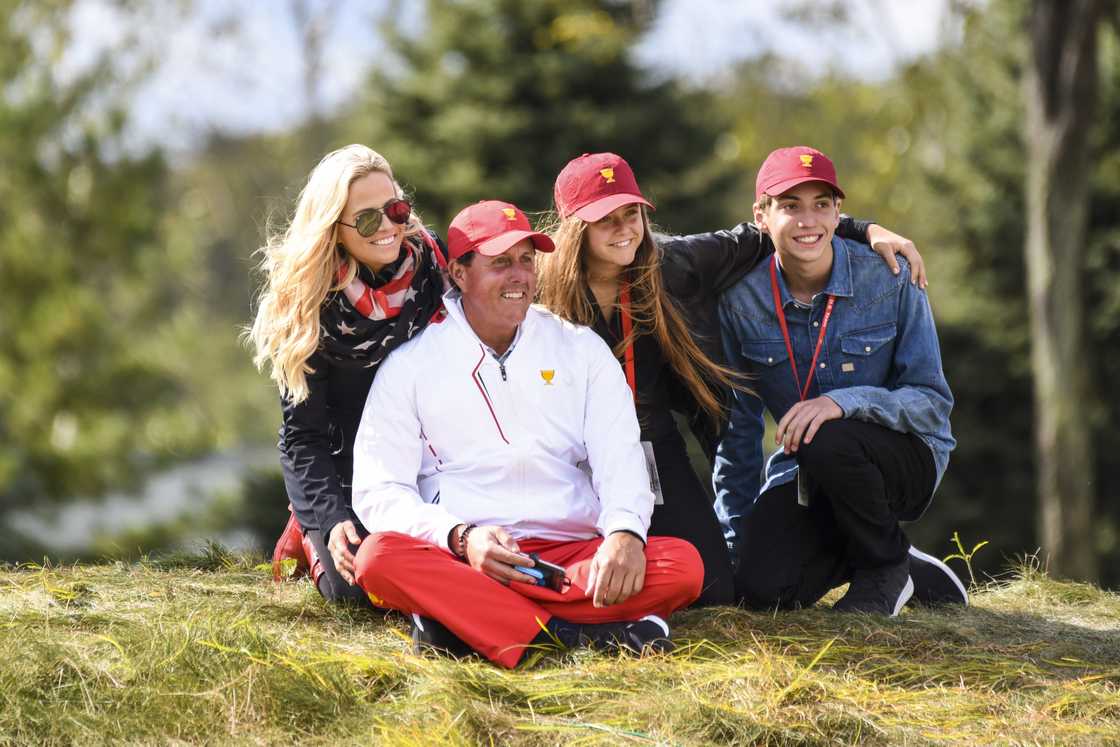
367, 222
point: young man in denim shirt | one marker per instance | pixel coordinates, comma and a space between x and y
844, 355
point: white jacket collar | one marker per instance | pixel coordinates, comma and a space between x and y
453, 303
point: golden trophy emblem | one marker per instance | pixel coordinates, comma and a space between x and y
547, 376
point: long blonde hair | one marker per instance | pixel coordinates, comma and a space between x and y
563, 289
302, 266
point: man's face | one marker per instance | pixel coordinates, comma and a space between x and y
497, 290
801, 221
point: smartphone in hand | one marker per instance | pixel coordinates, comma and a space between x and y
546, 574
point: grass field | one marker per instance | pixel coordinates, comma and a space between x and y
209, 650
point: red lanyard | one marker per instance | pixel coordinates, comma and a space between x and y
627, 327
785, 330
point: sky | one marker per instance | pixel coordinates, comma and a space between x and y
234, 65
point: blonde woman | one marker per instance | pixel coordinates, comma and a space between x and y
354, 275
655, 303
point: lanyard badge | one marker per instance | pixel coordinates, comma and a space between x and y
803, 490
631, 380
802, 392
627, 327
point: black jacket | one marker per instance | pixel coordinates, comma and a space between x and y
656, 382
317, 443
317, 439
696, 269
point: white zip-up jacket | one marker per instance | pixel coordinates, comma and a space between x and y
544, 444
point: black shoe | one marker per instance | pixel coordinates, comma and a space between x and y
429, 634
934, 582
650, 635
880, 591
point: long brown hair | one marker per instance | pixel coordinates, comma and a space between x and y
563, 288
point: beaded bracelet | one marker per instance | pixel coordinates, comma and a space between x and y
463, 540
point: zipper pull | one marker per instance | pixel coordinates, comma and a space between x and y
502, 368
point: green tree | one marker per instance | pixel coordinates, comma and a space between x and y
74, 234
98, 356
495, 96
973, 120
938, 153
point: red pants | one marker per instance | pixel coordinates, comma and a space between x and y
498, 621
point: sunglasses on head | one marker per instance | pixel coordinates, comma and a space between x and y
368, 221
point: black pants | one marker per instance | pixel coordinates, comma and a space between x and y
331, 585
863, 479
687, 513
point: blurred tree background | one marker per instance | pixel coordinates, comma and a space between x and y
127, 276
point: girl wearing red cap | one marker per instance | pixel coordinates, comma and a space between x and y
353, 276
655, 303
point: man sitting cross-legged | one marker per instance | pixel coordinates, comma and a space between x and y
501, 431
845, 357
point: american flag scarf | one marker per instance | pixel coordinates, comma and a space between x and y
362, 323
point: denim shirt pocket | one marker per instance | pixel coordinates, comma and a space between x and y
769, 364
765, 353
867, 354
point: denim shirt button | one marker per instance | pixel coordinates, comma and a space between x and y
816, 324
867, 349
769, 360
822, 365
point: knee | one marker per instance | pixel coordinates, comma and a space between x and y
831, 442
718, 590
681, 566
762, 579
378, 554
758, 590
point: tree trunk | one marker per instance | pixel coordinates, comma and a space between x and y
1061, 90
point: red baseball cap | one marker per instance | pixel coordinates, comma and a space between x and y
491, 227
785, 168
594, 184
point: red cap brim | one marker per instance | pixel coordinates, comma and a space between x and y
597, 209
779, 189
501, 243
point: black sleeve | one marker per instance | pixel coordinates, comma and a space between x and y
699, 422
305, 449
853, 228
705, 264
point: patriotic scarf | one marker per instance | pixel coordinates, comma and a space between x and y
362, 323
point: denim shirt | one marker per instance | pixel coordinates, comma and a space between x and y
880, 363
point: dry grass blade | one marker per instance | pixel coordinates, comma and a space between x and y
209, 650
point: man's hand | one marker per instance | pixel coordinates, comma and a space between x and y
802, 420
888, 243
492, 551
343, 534
618, 570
